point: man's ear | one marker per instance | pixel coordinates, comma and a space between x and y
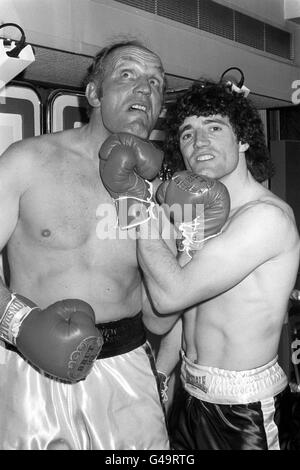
92, 95
243, 147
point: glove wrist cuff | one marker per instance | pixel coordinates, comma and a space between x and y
15, 313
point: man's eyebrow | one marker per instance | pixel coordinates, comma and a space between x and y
217, 120
211, 120
187, 127
120, 61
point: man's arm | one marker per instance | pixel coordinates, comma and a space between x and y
254, 236
16, 165
168, 357
12, 181
169, 350
154, 322
14, 169
11, 188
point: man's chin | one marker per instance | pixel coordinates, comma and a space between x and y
203, 172
138, 129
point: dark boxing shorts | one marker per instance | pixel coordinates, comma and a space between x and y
227, 410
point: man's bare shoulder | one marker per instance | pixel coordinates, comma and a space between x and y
270, 205
270, 215
32, 153
38, 146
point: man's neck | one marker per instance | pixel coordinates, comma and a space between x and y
93, 134
241, 188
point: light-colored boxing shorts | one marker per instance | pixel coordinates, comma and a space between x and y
117, 406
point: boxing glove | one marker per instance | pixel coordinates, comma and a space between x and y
127, 163
197, 205
61, 340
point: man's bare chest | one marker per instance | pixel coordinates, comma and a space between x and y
64, 211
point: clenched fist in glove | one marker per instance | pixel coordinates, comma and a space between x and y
197, 205
61, 340
126, 164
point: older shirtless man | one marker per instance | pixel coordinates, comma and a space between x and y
235, 286
55, 214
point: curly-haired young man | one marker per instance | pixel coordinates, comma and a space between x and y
235, 287
213, 99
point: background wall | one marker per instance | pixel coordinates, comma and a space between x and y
272, 11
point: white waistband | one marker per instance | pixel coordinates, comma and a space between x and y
222, 386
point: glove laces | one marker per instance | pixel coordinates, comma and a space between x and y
163, 385
149, 209
193, 235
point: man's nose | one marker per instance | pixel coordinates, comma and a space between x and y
142, 86
201, 138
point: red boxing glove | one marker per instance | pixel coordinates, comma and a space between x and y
197, 205
126, 164
61, 340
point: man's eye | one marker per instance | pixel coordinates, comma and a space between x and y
155, 82
216, 128
186, 136
126, 74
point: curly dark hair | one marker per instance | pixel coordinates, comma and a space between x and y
206, 98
